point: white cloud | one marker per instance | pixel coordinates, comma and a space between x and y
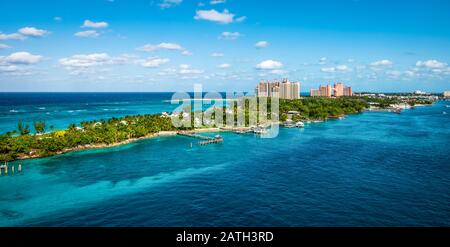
213, 15
22, 57
224, 66
328, 70
214, 2
217, 54
190, 71
154, 62
184, 66
186, 53
33, 32
57, 18
431, 64
262, 44
12, 36
91, 24
343, 68
161, 46
184, 71
269, 65
87, 34
230, 35
86, 60
384, 62
165, 4
322, 60
339, 68
241, 19
279, 72
8, 68
3, 46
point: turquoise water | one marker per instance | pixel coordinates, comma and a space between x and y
371, 169
61, 109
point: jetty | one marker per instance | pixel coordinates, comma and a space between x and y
204, 140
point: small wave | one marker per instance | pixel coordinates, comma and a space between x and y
41, 108
14, 111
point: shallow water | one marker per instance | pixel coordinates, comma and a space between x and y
371, 169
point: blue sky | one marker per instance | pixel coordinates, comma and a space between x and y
226, 45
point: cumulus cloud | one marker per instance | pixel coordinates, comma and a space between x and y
217, 54
328, 70
22, 57
343, 68
214, 2
384, 62
184, 70
154, 62
186, 53
87, 34
91, 24
241, 19
12, 36
322, 60
269, 65
33, 32
165, 4
261, 44
213, 15
18, 64
230, 35
431, 64
161, 46
224, 66
279, 72
89, 63
86, 60
339, 68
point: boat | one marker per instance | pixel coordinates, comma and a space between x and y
299, 125
289, 125
260, 131
398, 110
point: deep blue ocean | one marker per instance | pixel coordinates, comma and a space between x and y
370, 169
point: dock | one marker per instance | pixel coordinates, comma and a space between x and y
204, 140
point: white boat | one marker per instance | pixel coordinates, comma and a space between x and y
299, 125
289, 125
260, 131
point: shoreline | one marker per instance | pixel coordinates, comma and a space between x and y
129, 141
35, 154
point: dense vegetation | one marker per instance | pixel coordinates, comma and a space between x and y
320, 108
102, 132
22, 143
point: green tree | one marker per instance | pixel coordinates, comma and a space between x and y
39, 126
23, 129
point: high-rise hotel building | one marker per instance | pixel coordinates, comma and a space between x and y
282, 89
338, 90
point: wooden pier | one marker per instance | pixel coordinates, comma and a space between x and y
205, 140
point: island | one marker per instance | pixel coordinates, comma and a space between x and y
24, 144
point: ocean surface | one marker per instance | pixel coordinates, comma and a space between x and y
370, 169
